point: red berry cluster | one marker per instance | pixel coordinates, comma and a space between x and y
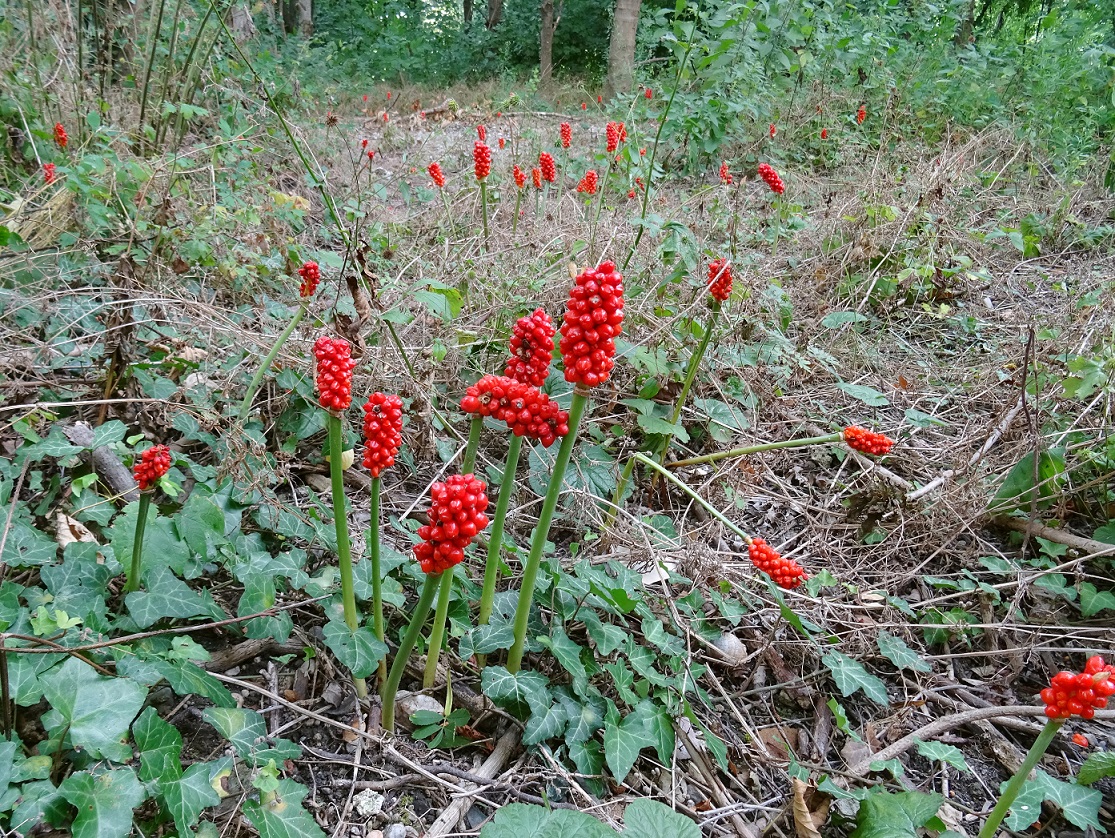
861, 114
771, 177
383, 431
48, 173
334, 372
593, 320
456, 516
566, 134
615, 133
152, 464
502, 143
536, 177
520, 178
482, 133
648, 93
526, 410
548, 167
867, 441
588, 182
532, 347
482, 158
1080, 694
311, 276
773, 130
725, 175
436, 174
786, 573
720, 279
824, 133
60, 137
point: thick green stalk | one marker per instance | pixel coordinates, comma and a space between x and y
691, 373
377, 574
437, 631
712, 510
257, 379
617, 495
468, 461
491, 566
758, 449
518, 203
399, 665
484, 208
340, 521
132, 582
1010, 793
542, 529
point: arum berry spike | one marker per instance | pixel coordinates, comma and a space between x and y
482, 160
850, 435
151, 465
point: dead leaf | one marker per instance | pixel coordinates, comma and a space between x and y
779, 741
811, 809
71, 531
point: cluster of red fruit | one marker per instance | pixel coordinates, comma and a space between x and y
771, 177
786, 573
588, 182
60, 137
436, 175
1080, 694
311, 276
867, 441
773, 130
720, 279
548, 167
383, 431
482, 158
532, 347
48, 173
334, 372
456, 517
861, 114
152, 464
520, 178
482, 133
593, 320
566, 134
725, 175
526, 410
615, 133
536, 177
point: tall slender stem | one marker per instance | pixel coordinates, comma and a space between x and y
340, 521
132, 582
484, 208
257, 379
518, 203
399, 665
155, 31
716, 513
437, 631
691, 374
542, 529
491, 566
377, 573
758, 449
617, 495
468, 461
1010, 793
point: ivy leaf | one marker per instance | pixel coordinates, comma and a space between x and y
940, 752
851, 676
1093, 601
1079, 805
568, 654
190, 794
607, 636
516, 693
248, 734
588, 757
650, 819
27, 547
895, 650
201, 524
1098, 765
901, 815
585, 716
624, 738
518, 820
187, 678
96, 710
104, 802
166, 596
160, 747
360, 651
40, 802
546, 725
283, 817
868, 395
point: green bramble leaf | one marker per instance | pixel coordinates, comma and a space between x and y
850, 676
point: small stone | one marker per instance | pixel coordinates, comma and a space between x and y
368, 803
396, 830
733, 649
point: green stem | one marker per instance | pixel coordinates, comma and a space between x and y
257, 379
468, 461
542, 529
437, 631
712, 510
340, 521
617, 495
691, 374
155, 32
484, 208
377, 574
132, 582
399, 665
518, 203
1010, 793
757, 449
491, 567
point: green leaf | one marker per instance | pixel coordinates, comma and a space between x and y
160, 747
624, 738
360, 651
201, 524
518, 820
109, 433
650, 819
27, 547
94, 710
40, 803
1098, 765
516, 693
895, 650
654, 425
850, 676
187, 678
586, 715
868, 395
246, 731
546, 725
836, 319
166, 596
568, 654
1079, 805
283, 817
940, 752
190, 794
841, 717
1018, 489
607, 636
1106, 533
588, 757
1093, 601
901, 815
726, 421
104, 802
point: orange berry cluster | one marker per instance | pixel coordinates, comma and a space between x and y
720, 279
311, 276
867, 441
771, 177
1080, 694
436, 175
614, 133
593, 320
861, 114
532, 347
566, 134
383, 431
60, 137
536, 177
725, 175
151, 465
588, 182
526, 410
785, 572
456, 516
520, 178
334, 372
482, 159
482, 133
548, 167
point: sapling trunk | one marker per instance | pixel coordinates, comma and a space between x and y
491, 566
406, 646
542, 529
132, 582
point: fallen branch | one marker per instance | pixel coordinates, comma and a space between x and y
1088, 546
105, 462
446, 822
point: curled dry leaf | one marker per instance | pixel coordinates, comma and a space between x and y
71, 531
811, 809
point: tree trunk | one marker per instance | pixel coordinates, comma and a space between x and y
468, 11
495, 13
241, 23
964, 31
305, 18
290, 17
621, 49
546, 46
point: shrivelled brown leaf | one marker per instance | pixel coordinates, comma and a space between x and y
811, 809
